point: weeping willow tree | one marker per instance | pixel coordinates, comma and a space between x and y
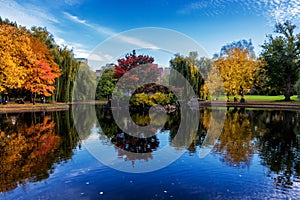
85, 84
188, 68
65, 83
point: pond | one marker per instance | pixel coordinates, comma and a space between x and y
49, 156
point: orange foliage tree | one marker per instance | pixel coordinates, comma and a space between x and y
25, 62
41, 75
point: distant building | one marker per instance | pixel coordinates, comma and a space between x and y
109, 65
98, 72
161, 71
84, 60
167, 71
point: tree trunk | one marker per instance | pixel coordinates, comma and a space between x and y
33, 98
287, 94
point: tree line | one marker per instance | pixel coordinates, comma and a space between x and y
236, 68
33, 65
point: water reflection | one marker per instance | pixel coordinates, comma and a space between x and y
273, 135
128, 147
279, 146
30, 144
235, 144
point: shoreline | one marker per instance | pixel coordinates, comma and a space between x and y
252, 104
15, 108
18, 108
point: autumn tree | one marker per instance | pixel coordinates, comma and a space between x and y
41, 75
66, 62
25, 62
213, 83
139, 70
281, 54
15, 57
131, 61
238, 69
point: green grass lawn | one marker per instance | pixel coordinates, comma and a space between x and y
262, 98
267, 98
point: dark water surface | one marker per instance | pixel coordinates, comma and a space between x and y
43, 157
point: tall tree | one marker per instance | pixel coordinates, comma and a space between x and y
238, 69
26, 62
66, 62
85, 84
242, 44
42, 74
145, 73
15, 57
188, 68
281, 54
106, 84
131, 61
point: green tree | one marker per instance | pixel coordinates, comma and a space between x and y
281, 54
85, 84
106, 83
188, 67
297, 88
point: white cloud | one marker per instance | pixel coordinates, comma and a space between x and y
109, 32
27, 15
100, 58
72, 2
273, 10
75, 18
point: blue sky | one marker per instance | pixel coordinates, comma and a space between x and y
84, 24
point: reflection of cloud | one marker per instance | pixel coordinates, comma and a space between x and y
274, 10
110, 32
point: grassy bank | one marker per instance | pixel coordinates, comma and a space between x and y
264, 98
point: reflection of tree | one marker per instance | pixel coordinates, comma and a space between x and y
182, 129
129, 147
30, 143
280, 147
28, 153
65, 127
235, 143
132, 148
84, 119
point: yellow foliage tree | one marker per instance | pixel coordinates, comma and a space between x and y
238, 68
15, 56
25, 62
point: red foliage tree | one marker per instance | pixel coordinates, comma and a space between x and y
131, 61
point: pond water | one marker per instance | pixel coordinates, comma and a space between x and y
48, 156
